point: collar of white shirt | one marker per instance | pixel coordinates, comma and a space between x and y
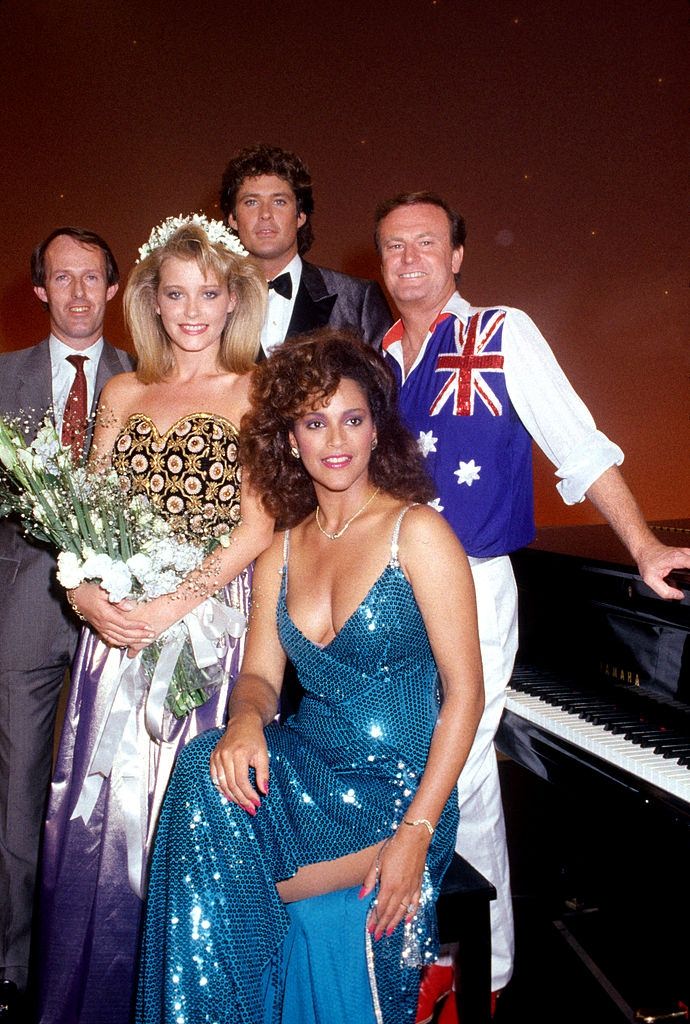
392, 342
279, 309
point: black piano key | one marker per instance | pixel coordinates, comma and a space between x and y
674, 749
630, 726
643, 737
591, 702
673, 740
574, 706
614, 722
649, 740
602, 710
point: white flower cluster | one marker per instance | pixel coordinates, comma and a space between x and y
217, 232
48, 452
157, 569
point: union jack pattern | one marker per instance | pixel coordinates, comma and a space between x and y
468, 367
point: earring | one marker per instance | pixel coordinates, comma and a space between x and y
374, 444
294, 452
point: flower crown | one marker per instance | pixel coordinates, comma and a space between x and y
217, 232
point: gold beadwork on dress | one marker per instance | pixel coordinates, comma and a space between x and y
190, 472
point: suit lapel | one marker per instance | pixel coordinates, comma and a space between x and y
35, 382
108, 365
313, 304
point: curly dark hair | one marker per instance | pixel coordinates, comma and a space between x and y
300, 375
255, 161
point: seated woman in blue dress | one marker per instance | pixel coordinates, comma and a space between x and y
296, 864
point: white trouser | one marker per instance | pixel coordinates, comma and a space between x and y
481, 835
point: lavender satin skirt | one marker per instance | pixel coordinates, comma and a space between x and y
89, 913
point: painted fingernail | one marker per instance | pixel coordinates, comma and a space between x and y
264, 787
362, 892
389, 931
251, 810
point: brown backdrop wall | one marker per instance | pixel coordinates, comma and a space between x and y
556, 129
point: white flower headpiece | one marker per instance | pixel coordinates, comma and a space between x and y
218, 234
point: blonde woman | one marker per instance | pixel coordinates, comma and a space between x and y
194, 305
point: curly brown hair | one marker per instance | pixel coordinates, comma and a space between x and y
259, 160
303, 374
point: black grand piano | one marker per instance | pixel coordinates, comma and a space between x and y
599, 709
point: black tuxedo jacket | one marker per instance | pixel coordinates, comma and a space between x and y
325, 297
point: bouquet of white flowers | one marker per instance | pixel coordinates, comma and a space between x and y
106, 536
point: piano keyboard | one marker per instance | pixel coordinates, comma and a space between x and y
635, 754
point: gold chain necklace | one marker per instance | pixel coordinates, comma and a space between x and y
341, 531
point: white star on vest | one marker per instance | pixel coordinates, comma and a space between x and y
467, 472
426, 442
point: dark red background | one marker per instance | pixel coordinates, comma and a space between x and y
557, 128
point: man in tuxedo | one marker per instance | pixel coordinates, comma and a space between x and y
266, 197
74, 274
476, 385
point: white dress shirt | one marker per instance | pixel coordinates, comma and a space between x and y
279, 309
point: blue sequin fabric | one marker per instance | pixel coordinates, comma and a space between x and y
343, 772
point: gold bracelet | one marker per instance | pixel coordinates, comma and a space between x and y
71, 602
421, 821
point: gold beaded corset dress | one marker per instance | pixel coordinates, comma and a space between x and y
190, 473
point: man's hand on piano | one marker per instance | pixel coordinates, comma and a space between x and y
656, 561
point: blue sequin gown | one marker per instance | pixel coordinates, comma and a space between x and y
343, 771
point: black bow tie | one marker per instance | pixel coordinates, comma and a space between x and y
282, 284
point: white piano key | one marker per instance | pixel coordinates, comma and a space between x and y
641, 762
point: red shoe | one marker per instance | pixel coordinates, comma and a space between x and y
437, 982
449, 1011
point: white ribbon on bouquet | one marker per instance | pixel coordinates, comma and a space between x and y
136, 708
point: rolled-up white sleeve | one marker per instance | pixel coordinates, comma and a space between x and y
552, 411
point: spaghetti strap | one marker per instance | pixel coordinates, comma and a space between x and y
396, 533
286, 556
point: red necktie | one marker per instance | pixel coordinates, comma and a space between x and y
74, 418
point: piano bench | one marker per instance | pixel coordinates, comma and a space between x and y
462, 913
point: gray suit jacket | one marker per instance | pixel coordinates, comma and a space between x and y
26, 386
325, 297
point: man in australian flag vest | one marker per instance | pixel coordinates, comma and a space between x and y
476, 386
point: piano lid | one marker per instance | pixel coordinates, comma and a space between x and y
584, 611
599, 544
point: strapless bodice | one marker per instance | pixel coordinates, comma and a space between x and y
190, 472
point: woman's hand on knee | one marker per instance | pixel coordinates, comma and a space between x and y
242, 746
399, 866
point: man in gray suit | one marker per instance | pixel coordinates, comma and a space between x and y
266, 196
74, 275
